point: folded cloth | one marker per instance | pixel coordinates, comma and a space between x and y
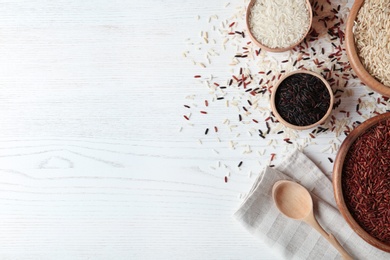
294, 239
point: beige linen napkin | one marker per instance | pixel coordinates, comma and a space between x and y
291, 238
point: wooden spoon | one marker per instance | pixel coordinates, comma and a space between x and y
294, 201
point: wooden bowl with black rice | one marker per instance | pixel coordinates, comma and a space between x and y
302, 100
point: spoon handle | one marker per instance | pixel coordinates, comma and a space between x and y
339, 248
332, 240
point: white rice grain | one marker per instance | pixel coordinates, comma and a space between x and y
279, 23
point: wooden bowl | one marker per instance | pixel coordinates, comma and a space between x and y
353, 57
282, 120
248, 11
337, 182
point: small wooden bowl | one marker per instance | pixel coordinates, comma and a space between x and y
353, 57
337, 182
282, 120
248, 11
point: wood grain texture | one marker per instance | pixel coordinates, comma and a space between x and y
92, 165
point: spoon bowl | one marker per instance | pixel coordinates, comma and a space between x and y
294, 201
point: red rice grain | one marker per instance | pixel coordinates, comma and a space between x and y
366, 181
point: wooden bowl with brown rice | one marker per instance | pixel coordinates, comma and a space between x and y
368, 43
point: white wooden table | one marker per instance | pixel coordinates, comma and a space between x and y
92, 162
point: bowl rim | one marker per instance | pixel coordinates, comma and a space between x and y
337, 183
353, 57
253, 38
282, 120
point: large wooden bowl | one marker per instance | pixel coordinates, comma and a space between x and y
248, 11
353, 57
337, 181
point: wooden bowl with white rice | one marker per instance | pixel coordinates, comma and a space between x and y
368, 43
278, 25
